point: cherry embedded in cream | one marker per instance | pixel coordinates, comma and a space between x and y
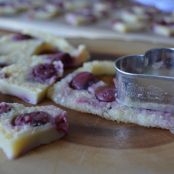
83, 80
105, 94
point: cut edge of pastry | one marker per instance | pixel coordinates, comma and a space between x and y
80, 52
29, 96
97, 67
16, 147
17, 140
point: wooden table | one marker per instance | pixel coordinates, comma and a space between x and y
95, 145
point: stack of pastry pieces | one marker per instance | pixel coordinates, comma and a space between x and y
30, 64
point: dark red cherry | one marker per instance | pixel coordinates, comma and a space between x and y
34, 119
4, 107
43, 72
61, 123
4, 75
83, 80
2, 65
105, 93
66, 59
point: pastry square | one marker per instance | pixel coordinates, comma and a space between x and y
19, 48
122, 26
76, 5
81, 96
79, 54
10, 107
164, 27
30, 82
29, 75
47, 10
102, 8
24, 128
19, 44
8, 8
88, 15
82, 17
134, 14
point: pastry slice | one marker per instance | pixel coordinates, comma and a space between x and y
83, 91
24, 129
81, 17
164, 26
19, 48
29, 75
30, 82
131, 20
60, 45
102, 8
134, 14
9, 107
8, 8
76, 5
77, 90
46, 11
122, 26
20, 44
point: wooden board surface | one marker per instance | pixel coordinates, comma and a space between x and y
95, 145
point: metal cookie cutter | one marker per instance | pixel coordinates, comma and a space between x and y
147, 81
